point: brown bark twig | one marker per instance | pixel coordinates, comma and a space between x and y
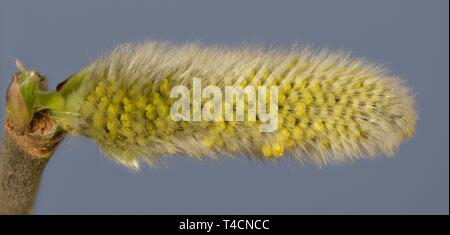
26, 151
24, 157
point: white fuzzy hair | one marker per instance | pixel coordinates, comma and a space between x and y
147, 64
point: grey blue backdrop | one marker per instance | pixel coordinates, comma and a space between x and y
411, 38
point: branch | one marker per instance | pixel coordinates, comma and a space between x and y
29, 139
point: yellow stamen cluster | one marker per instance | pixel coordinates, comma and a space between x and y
330, 108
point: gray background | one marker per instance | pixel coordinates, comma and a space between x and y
411, 38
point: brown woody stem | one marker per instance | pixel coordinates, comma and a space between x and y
27, 147
24, 157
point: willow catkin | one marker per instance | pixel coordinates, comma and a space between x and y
331, 108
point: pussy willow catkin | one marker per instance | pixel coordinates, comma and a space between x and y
331, 108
